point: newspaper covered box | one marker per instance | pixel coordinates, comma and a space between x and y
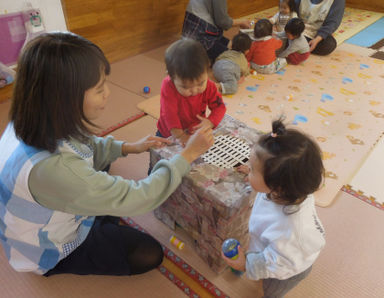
213, 202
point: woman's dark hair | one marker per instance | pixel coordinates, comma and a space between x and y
290, 3
53, 73
186, 59
241, 42
292, 164
295, 26
262, 28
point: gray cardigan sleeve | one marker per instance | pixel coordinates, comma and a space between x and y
220, 14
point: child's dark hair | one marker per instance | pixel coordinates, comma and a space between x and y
292, 164
54, 71
262, 28
290, 3
295, 26
241, 42
187, 59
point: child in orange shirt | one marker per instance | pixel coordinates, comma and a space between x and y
262, 55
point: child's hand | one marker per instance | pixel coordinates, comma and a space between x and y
218, 86
204, 123
242, 78
144, 144
239, 263
243, 169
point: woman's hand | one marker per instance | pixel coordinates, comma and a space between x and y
239, 263
198, 144
313, 43
145, 144
244, 24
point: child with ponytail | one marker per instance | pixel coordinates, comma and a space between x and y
286, 235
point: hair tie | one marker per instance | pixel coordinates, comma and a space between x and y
273, 134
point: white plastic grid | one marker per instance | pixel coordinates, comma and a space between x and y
227, 152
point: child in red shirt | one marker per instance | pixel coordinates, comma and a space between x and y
262, 55
187, 92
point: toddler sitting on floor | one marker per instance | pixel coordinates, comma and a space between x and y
298, 47
262, 54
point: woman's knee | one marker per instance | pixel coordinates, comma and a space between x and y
147, 255
326, 46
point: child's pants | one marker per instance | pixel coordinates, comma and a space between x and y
275, 66
276, 288
296, 58
228, 74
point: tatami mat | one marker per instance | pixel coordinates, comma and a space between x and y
15, 285
351, 263
368, 180
158, 53
134, 73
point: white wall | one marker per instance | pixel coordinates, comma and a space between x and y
51, 10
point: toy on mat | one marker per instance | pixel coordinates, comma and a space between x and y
229, 248
146, 89
176, 242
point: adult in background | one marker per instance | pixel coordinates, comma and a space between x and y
321, 18
205, 21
